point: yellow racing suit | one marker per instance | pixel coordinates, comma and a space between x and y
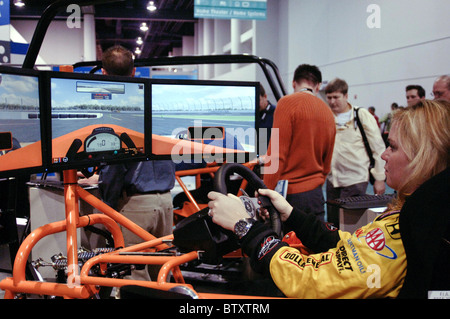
370, 263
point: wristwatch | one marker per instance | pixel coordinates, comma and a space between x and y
242, 227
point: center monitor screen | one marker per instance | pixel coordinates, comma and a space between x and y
214, 113
97, 120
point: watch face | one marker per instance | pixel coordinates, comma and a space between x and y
243, 226
240, 227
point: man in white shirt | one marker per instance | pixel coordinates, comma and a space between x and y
349, 174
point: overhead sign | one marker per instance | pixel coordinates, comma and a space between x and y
231, 9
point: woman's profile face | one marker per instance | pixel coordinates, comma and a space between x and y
396, 167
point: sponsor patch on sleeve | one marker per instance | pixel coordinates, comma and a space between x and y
267, 245
302, 261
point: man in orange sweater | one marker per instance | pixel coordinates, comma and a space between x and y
306, 131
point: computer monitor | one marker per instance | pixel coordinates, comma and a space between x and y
218, 115
21, 125
97, 120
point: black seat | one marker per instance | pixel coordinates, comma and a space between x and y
425, 228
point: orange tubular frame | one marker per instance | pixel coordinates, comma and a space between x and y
79, 284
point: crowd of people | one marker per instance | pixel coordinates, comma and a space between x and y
360, 137
402, 253
341, 147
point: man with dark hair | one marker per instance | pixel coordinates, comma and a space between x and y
138, 190
117, 60
308, 73
414, 93
349, 174
306, 132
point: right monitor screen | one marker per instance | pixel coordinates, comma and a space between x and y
218, 113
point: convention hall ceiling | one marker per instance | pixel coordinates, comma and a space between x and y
119, 22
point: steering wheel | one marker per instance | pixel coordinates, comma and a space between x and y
198, 231
220, 185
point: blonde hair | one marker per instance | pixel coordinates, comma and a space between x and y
423, 132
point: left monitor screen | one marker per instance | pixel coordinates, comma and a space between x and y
20, 123
96, 120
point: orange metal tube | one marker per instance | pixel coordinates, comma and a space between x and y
109, 223
19, 284
175, 262
113, 282
28, 244
186, 191
43, 288
127, 260
154, 243
72, 193
72, 215
46, 288
177, 275
57, 227
195, 171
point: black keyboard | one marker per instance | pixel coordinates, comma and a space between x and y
364, 201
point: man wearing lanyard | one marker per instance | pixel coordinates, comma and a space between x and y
349, 174
306, 133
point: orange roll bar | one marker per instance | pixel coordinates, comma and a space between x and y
44, 288
72, 215
187, 192
57, 227
113, 282
174, 263
84, 285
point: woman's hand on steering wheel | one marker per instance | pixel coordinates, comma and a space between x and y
226, 210
278, 201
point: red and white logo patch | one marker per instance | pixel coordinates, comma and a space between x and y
375, 239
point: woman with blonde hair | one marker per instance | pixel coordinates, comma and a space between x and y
423, 131
404, 252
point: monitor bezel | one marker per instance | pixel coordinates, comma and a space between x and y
249, 155
47, 77
38, 168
